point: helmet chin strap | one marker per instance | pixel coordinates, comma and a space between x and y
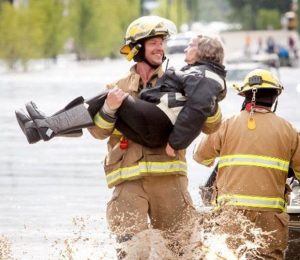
154, 66
139, 56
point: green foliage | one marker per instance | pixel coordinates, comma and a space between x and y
41, 28
53, 24
256, 13
267, 19
208, 11
282, 5
20, 39
97, 26
175, 10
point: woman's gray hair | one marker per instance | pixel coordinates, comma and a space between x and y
210, 48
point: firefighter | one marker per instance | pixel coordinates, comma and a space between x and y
183, 103
255, 149
148, 184
147, 181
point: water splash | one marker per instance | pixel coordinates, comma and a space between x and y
5, 248
217, 236
86, 241
212, 236
148, 244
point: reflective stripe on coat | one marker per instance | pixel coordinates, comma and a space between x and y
253, 164
136, 161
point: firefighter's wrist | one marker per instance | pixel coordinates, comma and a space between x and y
108, 111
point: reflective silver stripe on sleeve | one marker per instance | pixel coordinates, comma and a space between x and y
216, 77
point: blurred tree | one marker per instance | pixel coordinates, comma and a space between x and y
175, 10
242, 7
20, 38
268, 19
208, 11
53, 24
5, 1
97, 26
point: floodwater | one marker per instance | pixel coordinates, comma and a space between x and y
53, 194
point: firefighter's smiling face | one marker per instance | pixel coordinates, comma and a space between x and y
154, 50
191, 52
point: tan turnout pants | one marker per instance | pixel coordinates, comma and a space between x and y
273, 223
164, 200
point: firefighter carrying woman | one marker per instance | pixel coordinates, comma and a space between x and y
148, 170
149, 117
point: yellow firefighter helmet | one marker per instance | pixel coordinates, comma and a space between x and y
259, 79
145, 27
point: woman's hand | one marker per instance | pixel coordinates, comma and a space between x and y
170, 151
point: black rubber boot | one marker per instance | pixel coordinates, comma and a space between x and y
65, 122
28, 127
30, 131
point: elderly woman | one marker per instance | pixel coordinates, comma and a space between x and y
184, 103
190, 96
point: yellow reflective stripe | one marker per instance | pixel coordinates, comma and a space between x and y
254, 160
207, 162
297, 174
102, 123
146, 167
117, 132
215, 117
251, 201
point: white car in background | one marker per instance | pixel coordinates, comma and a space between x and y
236, 72
178, 43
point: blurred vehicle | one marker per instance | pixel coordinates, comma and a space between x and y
269, 59
178, 43
236, 72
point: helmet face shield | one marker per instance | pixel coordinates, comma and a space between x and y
146, 27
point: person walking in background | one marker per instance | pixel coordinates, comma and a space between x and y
148, 183
255, 149
292, 45
270, 42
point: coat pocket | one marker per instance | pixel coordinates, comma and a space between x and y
120, 158
283, 218
115, 155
